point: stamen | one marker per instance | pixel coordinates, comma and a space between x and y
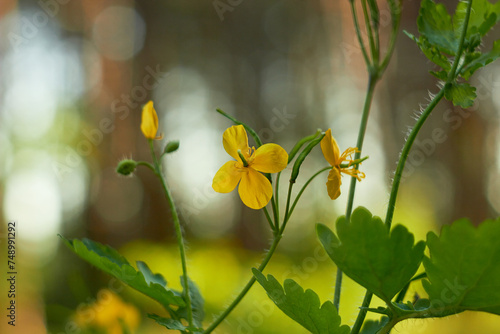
353, 172
347, 155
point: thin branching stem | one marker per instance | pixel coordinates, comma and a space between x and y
358, 33
277, 237
178, 233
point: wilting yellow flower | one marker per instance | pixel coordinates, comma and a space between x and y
108, 313
149, 123
331, 152
255, 189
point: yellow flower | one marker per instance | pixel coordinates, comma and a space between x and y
255, 189
331, 152
108, 313
149, 124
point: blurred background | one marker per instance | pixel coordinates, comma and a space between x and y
74, 75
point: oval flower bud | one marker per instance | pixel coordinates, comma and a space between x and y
171, 146
149, 123
126, 167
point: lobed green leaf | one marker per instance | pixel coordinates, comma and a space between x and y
463, 269
431, 52
440, 35
302, 306
481, 60
434, 23
461, 94
365, 251
484, 15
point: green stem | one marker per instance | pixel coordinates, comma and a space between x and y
251, 131
277, 237
392, 200
358, 33
146, 164
411, 138
396, 20
404, 155
388, 326
452, 74
178, 232
370, 32
288, 199
276, 198
362, 313
375, 74
269, 220
372, 81
247, 287
302, 190
275, 212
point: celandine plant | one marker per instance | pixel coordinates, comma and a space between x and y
462, 271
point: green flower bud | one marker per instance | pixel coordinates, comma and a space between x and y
171, 146
126, 167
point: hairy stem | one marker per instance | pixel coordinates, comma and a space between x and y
404, 155
178, 233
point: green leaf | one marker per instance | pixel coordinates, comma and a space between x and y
197, 303
169, 323
461, 94
481, 60
431, 52
111, 262
440, 34
149, 276
365, 251
434, 23
483, 16
302, 306
373, 326
443, 75
464, 268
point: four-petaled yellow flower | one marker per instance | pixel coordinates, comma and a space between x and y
255, 189
331, 152
149, 123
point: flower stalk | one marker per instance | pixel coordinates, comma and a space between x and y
178, 233
375, 70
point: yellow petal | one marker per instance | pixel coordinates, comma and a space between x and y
235, 138
149, 124
269, 158
333, 183
227, 178
255, 189
330, 149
